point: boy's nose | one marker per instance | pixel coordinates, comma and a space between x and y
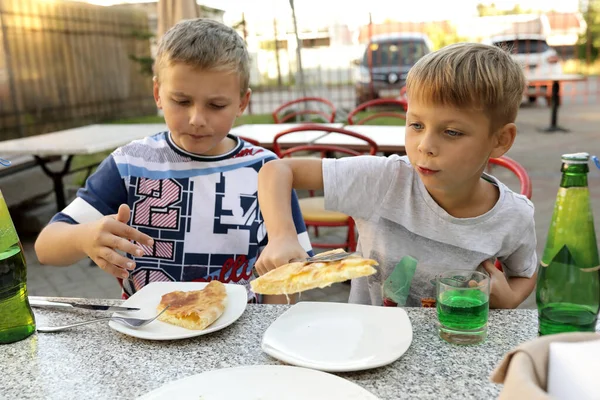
197, 119
427, 145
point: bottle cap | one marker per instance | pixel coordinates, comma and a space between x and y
576, 158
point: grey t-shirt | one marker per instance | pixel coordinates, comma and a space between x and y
396, 217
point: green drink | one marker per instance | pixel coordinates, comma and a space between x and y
16, 318
463, 306
463, 310
568, 285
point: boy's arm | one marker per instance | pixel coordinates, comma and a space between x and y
94, 225
511, 287
276, 180
50, 245
508, 293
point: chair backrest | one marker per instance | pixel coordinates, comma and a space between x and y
401, 104
518, 170
305, 109
321, 148
369, 143
251, 141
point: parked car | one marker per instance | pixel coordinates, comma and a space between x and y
537, 58
385, 63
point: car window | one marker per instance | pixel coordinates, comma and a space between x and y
521, 46
395, 53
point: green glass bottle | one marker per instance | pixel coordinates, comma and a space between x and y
16, 318
568, 283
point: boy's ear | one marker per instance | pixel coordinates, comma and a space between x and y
504, 139
244, 102
155, 89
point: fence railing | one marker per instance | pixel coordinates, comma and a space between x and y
349, 64
67, 64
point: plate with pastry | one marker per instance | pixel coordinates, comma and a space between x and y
195, 309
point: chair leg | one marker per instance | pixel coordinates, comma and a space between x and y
351, 236
498, 265
316, 231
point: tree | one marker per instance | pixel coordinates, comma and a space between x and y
491, 10
442, 36
589, 42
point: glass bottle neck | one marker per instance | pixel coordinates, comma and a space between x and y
574, 175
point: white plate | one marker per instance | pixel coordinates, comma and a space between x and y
260, 382
338, 337
149, 297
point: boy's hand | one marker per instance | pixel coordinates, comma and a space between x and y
501, 294
112, 233
279, 252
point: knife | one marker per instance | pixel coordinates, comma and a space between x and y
96, 307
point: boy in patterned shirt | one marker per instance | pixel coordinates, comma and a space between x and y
182, 205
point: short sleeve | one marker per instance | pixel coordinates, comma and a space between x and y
522, 262
102, 195
357, 185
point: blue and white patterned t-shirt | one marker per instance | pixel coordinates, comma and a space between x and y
202, 212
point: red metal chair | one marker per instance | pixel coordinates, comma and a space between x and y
369, 143
402, 104
313, 208
521, 174
251, 141
327, 116
518, 170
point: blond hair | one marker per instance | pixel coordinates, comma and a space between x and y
472, 76
207, 45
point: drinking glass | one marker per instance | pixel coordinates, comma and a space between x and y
462, 302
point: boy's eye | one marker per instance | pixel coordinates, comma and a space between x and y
182, 102
452, 133
217, 106
416, 125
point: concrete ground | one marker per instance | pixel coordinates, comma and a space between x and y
538, 152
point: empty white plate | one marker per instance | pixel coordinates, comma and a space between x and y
338, 337
149, 297
264, 382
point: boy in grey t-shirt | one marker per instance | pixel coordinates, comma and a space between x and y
436, 205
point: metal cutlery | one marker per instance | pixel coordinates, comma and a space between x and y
65, 304
131, 322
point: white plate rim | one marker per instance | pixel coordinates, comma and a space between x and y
188, 333
167, 387
348, 367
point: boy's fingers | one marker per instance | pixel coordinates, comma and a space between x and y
490, 267
114, 258
127, 232
112, 269
123, 214
118, 243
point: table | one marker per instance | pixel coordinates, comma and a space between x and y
96, 362
264, 133
556, 80
78, 141
389, 138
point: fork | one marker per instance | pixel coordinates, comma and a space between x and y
339, 255
131, 322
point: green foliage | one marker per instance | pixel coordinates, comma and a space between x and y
441, 37
146, 63
590, 40
491, 10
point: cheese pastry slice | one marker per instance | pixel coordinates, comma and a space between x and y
196, 309
300, 276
